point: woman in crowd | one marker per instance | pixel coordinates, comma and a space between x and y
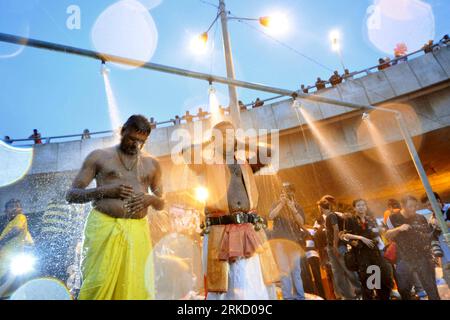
362, 231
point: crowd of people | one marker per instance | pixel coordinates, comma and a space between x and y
404, 248
400, 56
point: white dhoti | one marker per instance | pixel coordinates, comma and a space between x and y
245, 280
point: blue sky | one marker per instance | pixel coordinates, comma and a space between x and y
61, 94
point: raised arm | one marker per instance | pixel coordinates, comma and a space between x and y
275, 210
393, 232
255, 161
79, 194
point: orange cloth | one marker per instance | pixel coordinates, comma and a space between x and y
388, 213
239, 241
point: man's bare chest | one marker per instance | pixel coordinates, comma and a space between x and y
113, 170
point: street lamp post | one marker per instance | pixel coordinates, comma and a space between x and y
270, 22
232, 91
336, 46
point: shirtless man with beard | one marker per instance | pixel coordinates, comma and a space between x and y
116, 262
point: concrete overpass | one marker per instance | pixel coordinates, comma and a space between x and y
348, 166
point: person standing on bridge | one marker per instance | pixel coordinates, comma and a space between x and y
117, 263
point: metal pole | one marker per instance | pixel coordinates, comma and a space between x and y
234, 108
145, 65
420, 170
423, 176
342, 59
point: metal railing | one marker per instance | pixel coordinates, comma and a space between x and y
387, 64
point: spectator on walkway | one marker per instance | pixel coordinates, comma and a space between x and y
258, 103
7, 140
347, 75
412, 234
400, 52
346, 284
320, 84
36, 136
86, 134
428, 47
382, 64
335, 79
176, 121
153, 123
242, 106
304, 89
188, 117
444, 41
201, 114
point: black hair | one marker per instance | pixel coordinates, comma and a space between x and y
424, 198
358, 200
138, 123
394, 204
11, 202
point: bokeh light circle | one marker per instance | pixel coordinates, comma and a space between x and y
402, 21
15, 163
42, 289
17, 25
177, 267
126, 29
150, 4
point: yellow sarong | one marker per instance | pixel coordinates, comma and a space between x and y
117, 259
15, 245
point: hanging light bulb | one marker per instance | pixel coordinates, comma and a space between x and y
103, 69
366, 116
211, 89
